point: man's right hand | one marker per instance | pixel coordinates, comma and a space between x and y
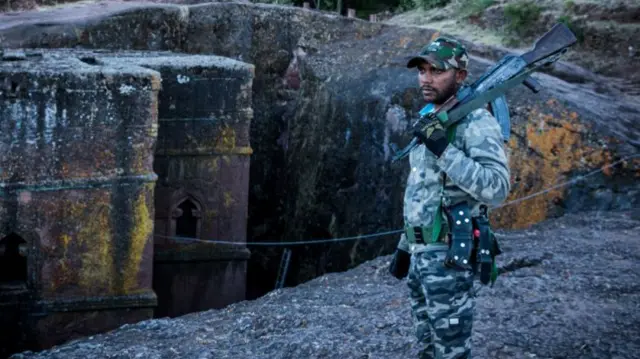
399, 267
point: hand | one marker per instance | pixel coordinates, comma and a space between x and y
434, 137
399, 267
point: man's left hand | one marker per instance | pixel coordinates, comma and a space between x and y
434, 137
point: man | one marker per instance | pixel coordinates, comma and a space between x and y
474, 169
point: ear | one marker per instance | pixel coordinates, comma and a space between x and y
461, 75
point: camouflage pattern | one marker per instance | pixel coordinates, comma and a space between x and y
477, 172
443, 53
442, 305
476, 167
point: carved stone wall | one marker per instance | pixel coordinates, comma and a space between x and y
76, 197
202, 162
122, 169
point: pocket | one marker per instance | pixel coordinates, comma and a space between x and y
464, 282
450, 303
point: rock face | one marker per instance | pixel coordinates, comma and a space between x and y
360, 96
331, 95
564, 292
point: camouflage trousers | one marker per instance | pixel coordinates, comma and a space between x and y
442, 305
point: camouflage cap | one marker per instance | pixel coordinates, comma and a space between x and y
443, 53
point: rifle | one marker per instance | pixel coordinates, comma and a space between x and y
507, 73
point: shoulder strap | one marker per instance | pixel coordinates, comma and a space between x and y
437, 221
451, 132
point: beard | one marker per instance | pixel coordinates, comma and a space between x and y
439, 97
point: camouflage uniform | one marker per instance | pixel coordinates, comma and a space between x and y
476, 168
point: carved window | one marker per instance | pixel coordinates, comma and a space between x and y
13, 261
187, 219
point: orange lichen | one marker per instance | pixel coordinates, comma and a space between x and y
140, 161
83, 250
554, 144
404, 41
104, 159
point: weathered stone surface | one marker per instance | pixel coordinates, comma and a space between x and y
202, 162
76, 186
21, 5
331, 94
564, 293
606, 29
115, 25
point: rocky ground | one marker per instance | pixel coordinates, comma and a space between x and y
570, 289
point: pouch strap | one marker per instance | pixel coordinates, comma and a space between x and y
485, 257
419, 234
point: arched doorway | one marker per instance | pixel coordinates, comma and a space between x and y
186, 218
13, 261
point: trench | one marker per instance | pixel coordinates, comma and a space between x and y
604, 99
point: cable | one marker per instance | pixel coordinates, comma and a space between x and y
577, 179
380, 234
311, 241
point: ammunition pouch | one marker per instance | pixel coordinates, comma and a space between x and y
461, 242
472, 246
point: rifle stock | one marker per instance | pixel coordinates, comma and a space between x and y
553, 41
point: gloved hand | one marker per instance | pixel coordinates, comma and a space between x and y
434, 137
399, 267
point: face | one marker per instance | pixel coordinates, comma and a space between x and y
438, 85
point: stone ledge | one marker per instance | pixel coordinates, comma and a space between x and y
146, 299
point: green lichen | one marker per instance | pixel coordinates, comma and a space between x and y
95, 241
228, 199
142, 230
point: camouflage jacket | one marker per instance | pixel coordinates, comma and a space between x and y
476, 167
